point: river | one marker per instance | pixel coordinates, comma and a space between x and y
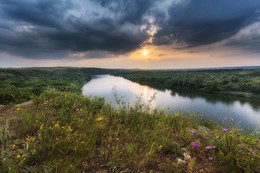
224, 109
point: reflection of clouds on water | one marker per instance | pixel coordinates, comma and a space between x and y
213, 106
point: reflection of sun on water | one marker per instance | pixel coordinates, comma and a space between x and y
145, 91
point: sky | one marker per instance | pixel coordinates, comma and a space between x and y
145, 34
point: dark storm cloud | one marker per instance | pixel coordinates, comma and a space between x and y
131, 10
36, 29
58, 29
200, 22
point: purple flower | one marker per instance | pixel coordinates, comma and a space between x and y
212, 132
176, 136
257, 140
214, 147
195, 145
206, 138
210, 158
195, 132
238, 134
208, 147
224, 130
230, 132
218, 137
190, 131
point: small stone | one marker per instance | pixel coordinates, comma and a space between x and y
186, 156
180, 161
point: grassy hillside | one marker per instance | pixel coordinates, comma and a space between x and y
66, 132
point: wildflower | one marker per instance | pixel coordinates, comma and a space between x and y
18, 156
230, 132
224, 130
13, 146
257, 140
182, 134
238, 134
176, 136
195, 132
99, 119
206, 138
190, 131
210, 158
212, 132
70, 129
218, 137
41, 127
177, 114
214, 147
208, 147
4, 159
195, 145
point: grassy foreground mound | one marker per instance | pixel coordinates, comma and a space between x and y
66, 132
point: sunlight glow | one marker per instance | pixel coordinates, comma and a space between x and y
145, 52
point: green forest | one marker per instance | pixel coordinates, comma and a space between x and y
239, 82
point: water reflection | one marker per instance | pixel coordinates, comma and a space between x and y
213, 106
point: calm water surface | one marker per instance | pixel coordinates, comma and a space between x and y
215, 107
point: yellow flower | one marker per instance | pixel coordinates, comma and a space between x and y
70, 129
34, 151
57, 125
177, 114
41, 127
99, 119
4, 159
18, 156
13, 146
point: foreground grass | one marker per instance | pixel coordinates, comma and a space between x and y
66, 132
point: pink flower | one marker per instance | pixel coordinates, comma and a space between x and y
195, 145
206, 138
214, 147
208, 147
190, 131
176, 136
224, 130
218, 137
230, 132
212, 132
210, 158
195, 132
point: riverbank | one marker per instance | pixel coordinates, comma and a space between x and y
66, 132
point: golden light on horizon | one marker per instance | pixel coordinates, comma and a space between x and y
145, 52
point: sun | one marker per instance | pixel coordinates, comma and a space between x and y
145, 52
